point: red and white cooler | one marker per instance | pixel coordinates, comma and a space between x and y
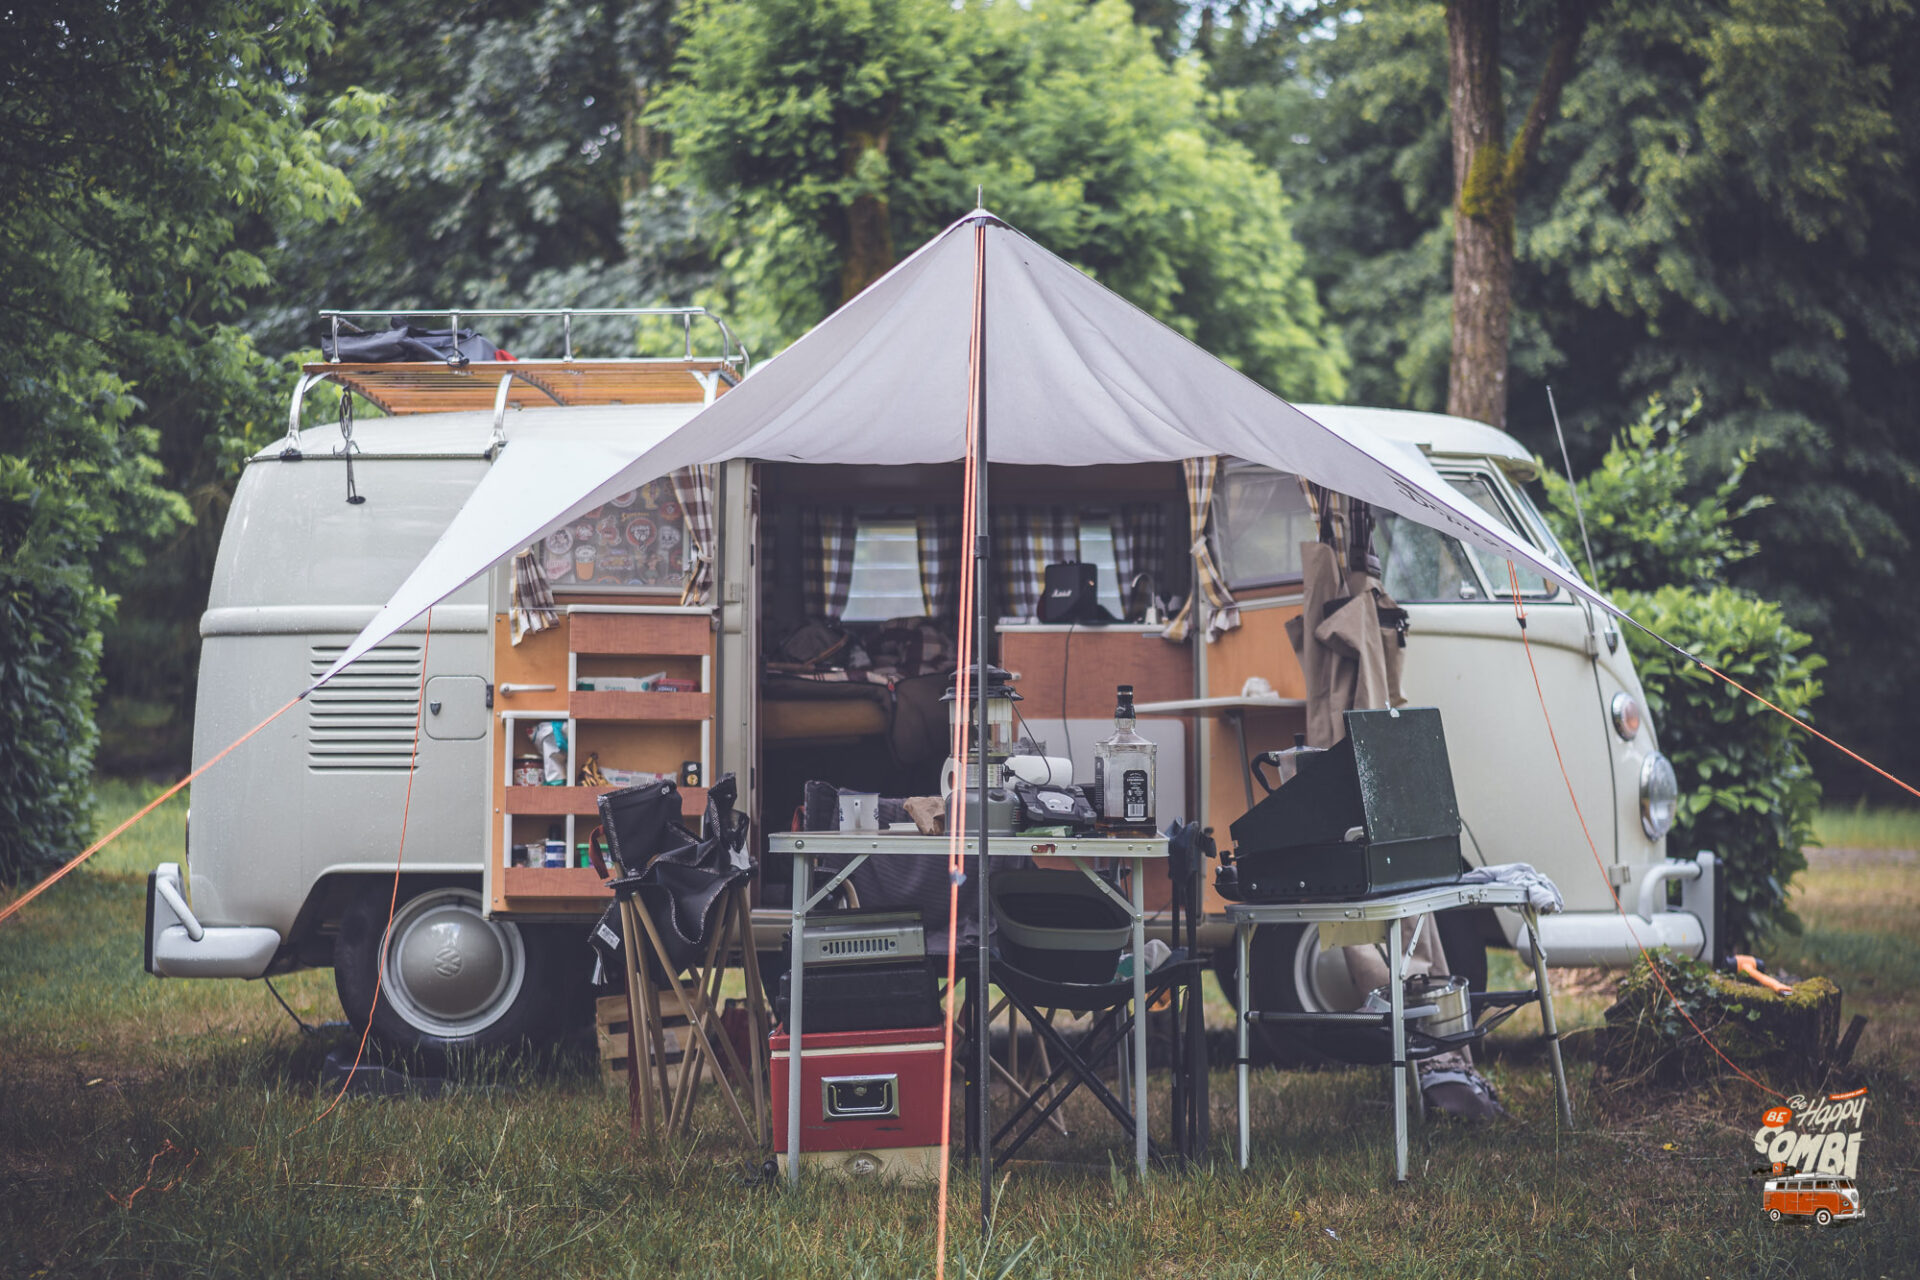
869, 1101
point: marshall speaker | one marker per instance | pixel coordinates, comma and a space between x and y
1071, 594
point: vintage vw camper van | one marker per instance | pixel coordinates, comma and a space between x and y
809, 644
1823, 1199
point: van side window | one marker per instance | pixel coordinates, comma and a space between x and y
1422, 564
1260, 518
1479, 491
637, 541
1097, 549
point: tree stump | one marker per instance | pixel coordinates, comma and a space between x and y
1790, 1038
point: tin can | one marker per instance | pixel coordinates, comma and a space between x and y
556, 853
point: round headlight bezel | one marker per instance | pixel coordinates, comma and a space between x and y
1626, 715
1659, 795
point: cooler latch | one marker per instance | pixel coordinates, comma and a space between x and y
859, 1097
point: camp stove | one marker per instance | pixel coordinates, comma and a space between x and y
1373, 814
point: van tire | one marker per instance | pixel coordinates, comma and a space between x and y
455, 980
1773, 1215
1824, 1217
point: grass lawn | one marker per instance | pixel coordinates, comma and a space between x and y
206, 1094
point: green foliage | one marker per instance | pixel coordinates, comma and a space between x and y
1078, 131
1662, 547
50, 612
1747, 791
146, 157
511, 169
1646, 527
1723, 209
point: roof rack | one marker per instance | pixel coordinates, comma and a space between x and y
459, 383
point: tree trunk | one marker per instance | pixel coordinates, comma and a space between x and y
1482, 215
868, 245
1486, 178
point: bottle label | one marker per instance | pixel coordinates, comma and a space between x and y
1100, 785
1133, 790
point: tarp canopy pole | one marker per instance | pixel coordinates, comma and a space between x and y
983, 619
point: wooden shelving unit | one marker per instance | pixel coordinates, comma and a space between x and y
583, 802
640, 707
654, 732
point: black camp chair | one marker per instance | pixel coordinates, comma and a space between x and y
1074, 1063
686, 896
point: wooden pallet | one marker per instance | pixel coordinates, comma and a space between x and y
610, 1028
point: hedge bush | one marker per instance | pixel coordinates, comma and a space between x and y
1662, 540
1747, 791
50, 615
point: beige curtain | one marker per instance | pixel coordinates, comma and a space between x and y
1207, 578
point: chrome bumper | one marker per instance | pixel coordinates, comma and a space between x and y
179, 946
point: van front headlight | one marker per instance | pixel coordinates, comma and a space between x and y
1659, 795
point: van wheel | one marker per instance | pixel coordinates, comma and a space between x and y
453, 980
1291, 974
1773, 1215
1824, 1218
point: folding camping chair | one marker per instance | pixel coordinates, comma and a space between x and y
687, 896
1068, 1066
655, 1101
1074, 1065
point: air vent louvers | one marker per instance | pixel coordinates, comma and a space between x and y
363, 720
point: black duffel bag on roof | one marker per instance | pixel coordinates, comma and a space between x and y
405, 342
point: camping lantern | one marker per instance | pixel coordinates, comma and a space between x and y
988, 746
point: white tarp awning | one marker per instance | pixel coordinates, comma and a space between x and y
1075, 375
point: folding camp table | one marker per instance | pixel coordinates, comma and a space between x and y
1374, 920
858, 846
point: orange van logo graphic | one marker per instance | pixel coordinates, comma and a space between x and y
1812, 1147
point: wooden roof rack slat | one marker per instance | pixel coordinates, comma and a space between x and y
435, 387
406, 387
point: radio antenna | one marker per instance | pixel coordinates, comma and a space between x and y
1573, 488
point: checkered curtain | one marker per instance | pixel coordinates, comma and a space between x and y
828, 533
693, 486
1201, 474
1139, 544
1025, 541
530, 607
940, 560
1016, 585
1056, 537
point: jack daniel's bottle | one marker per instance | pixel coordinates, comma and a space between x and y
1123, 776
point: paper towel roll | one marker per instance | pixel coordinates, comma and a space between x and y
1042, 770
